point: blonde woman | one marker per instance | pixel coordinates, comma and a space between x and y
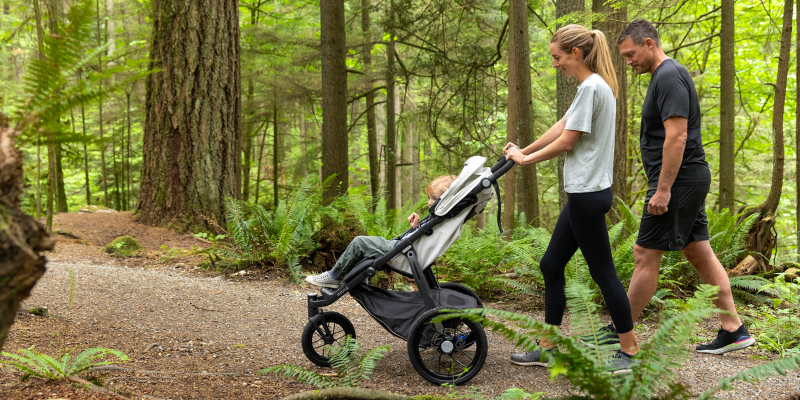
586, 135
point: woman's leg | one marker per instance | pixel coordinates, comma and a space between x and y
588, 216
561, 248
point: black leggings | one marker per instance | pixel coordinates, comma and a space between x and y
582, 224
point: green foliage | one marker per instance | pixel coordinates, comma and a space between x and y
583, 366
283, 234
755, 374
351, 367
778, 325
123, 246
33, 363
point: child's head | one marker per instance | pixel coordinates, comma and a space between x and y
437, 187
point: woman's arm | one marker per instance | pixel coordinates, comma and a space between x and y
549, 137
559, 146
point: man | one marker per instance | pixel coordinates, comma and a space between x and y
674, 216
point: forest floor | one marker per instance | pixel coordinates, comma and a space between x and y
190, 332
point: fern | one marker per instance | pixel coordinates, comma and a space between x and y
755, 374
31, 362
352, 368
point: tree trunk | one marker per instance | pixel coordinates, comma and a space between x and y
192, 138
612, 26
391, 134
303, 168
565, 90
128, 150
797, 135
85, 149
100, 110
260, 158
510, 178
275, 150
760, 238
524, 102
727, 99
21, 237
334, 98
248, 143
372, 136
109, 26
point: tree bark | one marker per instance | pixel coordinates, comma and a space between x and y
275, 150
391, 133
510, 178
372, 136
334, 98
760, 238
727, 99
192, 136
248, 143
109, 26
100, 110
56, 11
343, 393
85, 149
565, 90
22, 239
797, 134
524, 104
612, 26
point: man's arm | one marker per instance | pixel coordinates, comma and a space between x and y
674, 144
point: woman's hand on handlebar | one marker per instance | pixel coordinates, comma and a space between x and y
515, 154
508, 147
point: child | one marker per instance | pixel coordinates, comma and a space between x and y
375, 246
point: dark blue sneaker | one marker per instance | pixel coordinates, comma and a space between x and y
606, 336
728, 341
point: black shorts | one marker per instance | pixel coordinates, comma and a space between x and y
684, 222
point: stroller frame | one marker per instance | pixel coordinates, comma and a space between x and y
426, 283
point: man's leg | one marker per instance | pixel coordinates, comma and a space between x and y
645, 279
702, 257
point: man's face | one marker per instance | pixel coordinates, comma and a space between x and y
640, 58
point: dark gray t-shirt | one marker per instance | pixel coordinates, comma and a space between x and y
672, 93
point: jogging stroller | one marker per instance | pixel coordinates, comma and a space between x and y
452, 351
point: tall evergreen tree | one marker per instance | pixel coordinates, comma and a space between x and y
334, 97
192, 138
727, 131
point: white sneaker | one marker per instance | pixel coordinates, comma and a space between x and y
324, 279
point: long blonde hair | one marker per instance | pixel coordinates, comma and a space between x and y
593, 47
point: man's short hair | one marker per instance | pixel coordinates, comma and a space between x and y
638, 31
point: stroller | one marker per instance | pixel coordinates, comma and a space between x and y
452, 351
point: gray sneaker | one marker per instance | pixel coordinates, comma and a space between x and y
540, 357
620, 363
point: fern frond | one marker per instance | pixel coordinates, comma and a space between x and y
368, 362
85, 359
755, 374
303, 375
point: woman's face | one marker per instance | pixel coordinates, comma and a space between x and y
568, 63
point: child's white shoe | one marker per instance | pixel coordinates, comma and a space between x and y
324, 279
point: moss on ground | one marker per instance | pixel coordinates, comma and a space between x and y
123, 246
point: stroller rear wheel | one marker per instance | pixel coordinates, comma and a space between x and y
461, 289
452, 353
333, 331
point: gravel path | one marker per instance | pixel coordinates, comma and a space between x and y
258, 324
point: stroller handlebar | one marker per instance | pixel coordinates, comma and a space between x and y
501, 167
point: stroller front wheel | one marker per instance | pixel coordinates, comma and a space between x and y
332, 331
452, 352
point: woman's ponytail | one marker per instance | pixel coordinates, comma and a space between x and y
593, 46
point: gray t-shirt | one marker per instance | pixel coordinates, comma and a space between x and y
589, 166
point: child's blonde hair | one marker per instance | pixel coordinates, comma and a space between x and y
441, 183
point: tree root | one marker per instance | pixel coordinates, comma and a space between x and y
139, 371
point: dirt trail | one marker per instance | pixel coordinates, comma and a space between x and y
197, 323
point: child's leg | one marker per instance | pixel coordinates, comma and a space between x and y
360, 248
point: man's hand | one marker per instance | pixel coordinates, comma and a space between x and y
658, 203
413, 220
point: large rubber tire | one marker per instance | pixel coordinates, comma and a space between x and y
462, 289
429, 355
314, 343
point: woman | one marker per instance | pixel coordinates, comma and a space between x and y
586, 135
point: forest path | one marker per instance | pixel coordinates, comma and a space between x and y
220, 324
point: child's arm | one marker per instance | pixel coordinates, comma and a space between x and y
413, 220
